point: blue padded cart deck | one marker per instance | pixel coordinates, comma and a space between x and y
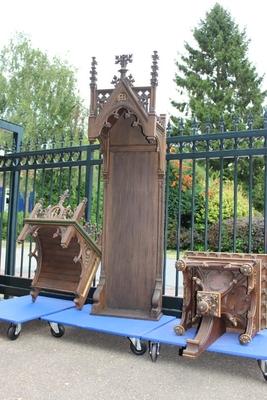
226, 344
23, 309
112, 325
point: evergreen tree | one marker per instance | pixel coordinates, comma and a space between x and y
216, 78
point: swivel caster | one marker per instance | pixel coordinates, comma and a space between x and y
57, 330
13, 331
137, 347
181, 350
154, 351
263, 367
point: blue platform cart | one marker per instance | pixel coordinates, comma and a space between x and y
19, 310
155, 333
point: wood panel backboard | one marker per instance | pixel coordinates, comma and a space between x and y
132, 139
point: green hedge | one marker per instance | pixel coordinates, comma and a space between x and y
242, 234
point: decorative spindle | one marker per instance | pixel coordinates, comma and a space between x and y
154, 69
236, 121
194, 125
250, 121
222, 124
208, 124
181, 126
168, 129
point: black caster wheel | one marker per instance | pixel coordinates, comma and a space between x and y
13, 331
180, 351
263, 367
137, 347
57, 330
154, 351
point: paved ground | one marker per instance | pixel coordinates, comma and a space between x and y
85, 365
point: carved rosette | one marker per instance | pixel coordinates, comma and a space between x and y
246, 269
209, 303
179, 330
245, 338
180, 265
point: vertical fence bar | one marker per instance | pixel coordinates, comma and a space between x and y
265, 185
235, 197
193, 198
24, 214
33, 200
220, 198
166, 223
12, 223
250, 199
178, 225
206, 202
2, 214
98, 195
88, 184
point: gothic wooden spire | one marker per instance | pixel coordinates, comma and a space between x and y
154, 69
93, 72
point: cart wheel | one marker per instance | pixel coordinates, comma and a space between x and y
263, 367
57, 330
154, 351
13, 331
181, 350
137, 347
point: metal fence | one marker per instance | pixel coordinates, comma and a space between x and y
216, 195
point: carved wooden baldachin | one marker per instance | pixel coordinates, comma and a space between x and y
67, 257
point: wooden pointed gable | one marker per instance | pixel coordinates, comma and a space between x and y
133, 145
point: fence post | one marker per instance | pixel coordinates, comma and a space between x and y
10, 262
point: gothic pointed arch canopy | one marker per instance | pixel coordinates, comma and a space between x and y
132, 139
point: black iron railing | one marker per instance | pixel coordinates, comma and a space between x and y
216, 196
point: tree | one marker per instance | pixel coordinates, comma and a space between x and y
216, 78
37, 92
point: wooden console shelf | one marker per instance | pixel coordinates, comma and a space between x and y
222, 292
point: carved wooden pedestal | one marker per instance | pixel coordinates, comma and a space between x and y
221, 292
133, 145
67, 258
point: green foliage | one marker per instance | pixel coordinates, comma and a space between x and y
227, 205
37, 92
215, 77
4, 224
186, 200
242, 235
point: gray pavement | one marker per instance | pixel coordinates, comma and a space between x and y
86, 365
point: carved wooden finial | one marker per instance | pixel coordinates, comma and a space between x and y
123, 60
93, 72
154, 69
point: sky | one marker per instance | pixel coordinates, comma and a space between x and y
77, 30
